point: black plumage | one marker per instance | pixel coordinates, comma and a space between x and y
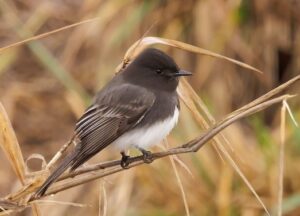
140, 95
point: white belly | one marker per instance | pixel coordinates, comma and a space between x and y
144, 138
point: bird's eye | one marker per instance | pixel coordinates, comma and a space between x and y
158, 71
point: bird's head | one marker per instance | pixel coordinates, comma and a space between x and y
155, 69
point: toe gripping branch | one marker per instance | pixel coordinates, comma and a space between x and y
147, 156
124, 160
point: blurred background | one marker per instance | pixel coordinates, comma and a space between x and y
46, 85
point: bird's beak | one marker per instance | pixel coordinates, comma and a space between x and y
182, 73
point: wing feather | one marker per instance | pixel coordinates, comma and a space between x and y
115, 111
103, 124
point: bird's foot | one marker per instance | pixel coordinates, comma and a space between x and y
147, 156
124, 160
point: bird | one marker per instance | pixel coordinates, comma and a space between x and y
136, 109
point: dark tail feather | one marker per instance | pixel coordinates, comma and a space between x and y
56, 173
80, 160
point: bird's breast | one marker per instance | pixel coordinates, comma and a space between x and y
147, 135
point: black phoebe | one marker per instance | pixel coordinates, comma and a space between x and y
137, 108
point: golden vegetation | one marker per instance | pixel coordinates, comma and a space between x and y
46, 84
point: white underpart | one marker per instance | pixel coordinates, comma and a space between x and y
147, 137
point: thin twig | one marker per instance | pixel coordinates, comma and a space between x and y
43, 35
281, 159
60, 153
183, 194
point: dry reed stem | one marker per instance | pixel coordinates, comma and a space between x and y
185, 92
217, 140
183, 194
51, 202
60, 153
10, 145
133, 51
102, 193
270, 94
43, 35
104, 200
290, 113
281, 159
183, 165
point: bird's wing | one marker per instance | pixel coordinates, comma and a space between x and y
108, 119
114, 112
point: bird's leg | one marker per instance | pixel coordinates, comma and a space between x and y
124, 160
147, 155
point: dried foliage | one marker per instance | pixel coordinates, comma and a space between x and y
52, 63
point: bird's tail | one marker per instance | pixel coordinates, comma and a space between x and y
56, 173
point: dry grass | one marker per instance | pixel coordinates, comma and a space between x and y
45, 85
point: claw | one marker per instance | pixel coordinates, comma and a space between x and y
124, 160
147, 156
